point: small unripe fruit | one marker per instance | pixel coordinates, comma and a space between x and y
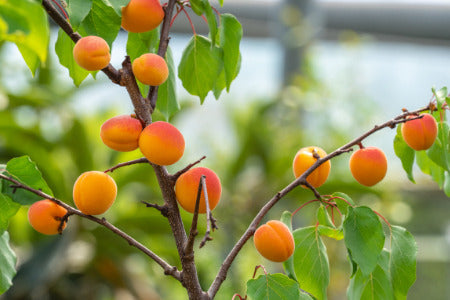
142, 15
186, 189
368, 165
121, 133
45, 216
420, 134
92, 53
161, 143
305, 158
274, 241
150, 69
94, 192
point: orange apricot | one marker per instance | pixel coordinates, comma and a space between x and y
186, 189
150, 69
45, 216
274, 241
305, 158
94, 192
92, 53
368, 165
420, 134
142, 15
161, 143
121, 133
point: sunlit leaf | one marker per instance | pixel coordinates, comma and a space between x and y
78, 10
337, 234
273, 287
343, 201
197, 6
364, 237
288, 265
212, 21
167, 102
230, 33
440, 96
8, 262
429, 167
8, 209
405, 153
438, 152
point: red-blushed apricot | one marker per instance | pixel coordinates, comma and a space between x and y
186, 189
121, 133
45, 216
420, 134
150, 69
274, 241
368, 165
142, 15
161, 143
92, 53
305, 158
94, 192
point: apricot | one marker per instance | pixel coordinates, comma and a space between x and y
92, 53
420, 134
368, 165
274, 241
45, 216
121, 133
161, 143
150, 69
186, 189
94, 192
305, 158
142, 15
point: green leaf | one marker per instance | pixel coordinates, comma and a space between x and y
440, 96
200, 65
64, 50
34, 47
405, 153
323, 217
375, 286
230, 32
167, 102
429, 167
77, 11
343, 201
8, 262
197, 6
288, 265
15, 23
311, 262
8, 209
337, 234
439, 152
212, 22
402, 262
118, 4
141, 43
446, 185
101, 21
274, 287
26, 172
364, 237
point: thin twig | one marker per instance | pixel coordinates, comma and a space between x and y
314, 190
168, 269
185, 169
128, 163
163, 209
193, 231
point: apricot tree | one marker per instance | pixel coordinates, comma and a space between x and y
210, 64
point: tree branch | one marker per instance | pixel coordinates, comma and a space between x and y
168, 269
222, 273
128, 163
189, 249
187, 168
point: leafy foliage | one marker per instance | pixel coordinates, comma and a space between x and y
8, 263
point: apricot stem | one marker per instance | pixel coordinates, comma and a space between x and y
193, 231
185, 169
128, 163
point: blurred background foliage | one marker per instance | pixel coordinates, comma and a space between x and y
252, 155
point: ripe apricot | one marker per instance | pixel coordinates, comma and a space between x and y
421, 133
274, 241
45, 216
161, 143
92, 53
186, 189
142, 15
94, 192
121, 133
368, 165
150, 69
305, 158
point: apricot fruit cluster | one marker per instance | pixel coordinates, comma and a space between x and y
274, 241
186, 189
45, 216
92, 53
421, 133
305, 158
142, 15
94, 192
368, 165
